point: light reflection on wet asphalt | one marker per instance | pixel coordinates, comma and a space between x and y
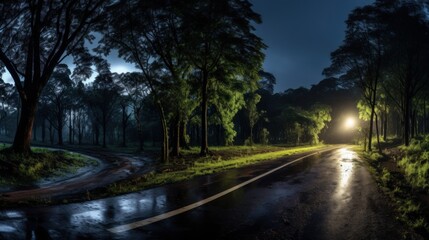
279, 201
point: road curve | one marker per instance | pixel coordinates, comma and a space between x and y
112, 167
330, 195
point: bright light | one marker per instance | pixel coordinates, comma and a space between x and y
350, 123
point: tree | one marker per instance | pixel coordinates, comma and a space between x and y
124, 32
251, 101
221, 35
408, 58
102, 98
360, 57
136, 91
35, 36
320, 115
58, 97
6, 104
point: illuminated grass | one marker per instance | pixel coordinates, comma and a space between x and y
408, 207
17, 169
208, 165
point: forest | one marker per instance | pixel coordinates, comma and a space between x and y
199, 79
196, 126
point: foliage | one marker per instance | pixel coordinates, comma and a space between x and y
18, 169
35, 37
416, 163
264, 136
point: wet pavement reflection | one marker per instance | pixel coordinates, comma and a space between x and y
302, 201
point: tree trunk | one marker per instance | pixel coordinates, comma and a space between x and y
51, 133
165, 147
22, 140
371, 125
97, 136
104, 133
407, 121
251, 135
124, 126
378, 135
70, 128
60, 128
385, 123
424, 130
183, 141
175, 133
204, 111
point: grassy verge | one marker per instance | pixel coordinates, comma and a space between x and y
391, 178
190, 165
17, 169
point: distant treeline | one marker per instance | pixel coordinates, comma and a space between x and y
386, 55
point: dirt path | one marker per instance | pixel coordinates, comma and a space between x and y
113, 167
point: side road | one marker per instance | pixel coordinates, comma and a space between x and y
112, 168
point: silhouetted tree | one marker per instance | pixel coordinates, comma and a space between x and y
102, 98
360, 57
35, 36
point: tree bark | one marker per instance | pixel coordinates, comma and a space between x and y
104, 132
124, 126
22, 140
71, 128
385, 123
183, 141
407, 121
165, 147
175, 134
60, 127
378, 134
204, 111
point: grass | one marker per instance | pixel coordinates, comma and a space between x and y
416, 163
17, 169
403, 194
222, 158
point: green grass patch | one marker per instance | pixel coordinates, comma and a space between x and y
403, 195
18, 169
222, 158
415, 163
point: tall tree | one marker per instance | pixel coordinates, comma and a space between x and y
221, 34
35, 36
360, 57
135, 89
124, 32
102, 98
58, 97
408, 58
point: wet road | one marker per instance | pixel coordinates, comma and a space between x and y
329, 195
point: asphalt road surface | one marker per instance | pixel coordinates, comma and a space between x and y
329, 195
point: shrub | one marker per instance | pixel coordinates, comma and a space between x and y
263, 136
415, 163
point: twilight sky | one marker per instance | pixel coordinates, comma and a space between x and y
300, 35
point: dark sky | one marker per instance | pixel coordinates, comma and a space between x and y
300, 35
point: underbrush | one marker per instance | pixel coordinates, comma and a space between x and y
19, 169
415, 163
402, 185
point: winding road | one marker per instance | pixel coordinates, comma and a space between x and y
322, 195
